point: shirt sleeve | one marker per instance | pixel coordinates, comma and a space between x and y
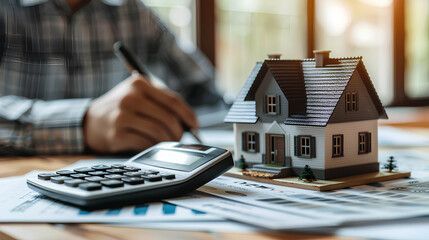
182, 67
41, 127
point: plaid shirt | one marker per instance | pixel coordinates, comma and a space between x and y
53, 62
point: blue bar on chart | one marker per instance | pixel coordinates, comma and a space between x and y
168, 208
113, 211
141, 209
197, 212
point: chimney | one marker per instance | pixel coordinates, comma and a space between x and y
274, 56
322, 57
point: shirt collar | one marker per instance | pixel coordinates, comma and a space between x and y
27, 3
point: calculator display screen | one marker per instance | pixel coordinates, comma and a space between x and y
175, 157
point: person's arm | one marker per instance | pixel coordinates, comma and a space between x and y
41, 127
185, 70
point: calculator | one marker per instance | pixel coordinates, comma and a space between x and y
168, 169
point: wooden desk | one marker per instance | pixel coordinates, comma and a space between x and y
14, 166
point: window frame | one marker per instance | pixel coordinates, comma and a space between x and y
366, 143
299, 147
271, 105
337, 146
351, 101
250, 146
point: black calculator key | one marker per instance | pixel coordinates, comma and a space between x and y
74, 182
133, 174
95, 179
168, 176
91, 186
79, 175
112, 183
133, 180
132, 169
47, 176
65, 172
98, 173
114, 176
152, 177
100, 167
116, 171
118, 165
60, 179
83, 170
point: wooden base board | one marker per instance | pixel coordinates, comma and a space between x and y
325, 185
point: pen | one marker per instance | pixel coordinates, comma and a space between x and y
133, 64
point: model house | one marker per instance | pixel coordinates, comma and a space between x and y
321, 112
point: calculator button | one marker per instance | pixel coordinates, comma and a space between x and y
95, 179
98, 173
100, 167
60, 179
47, 176
116, 171
83, 170
152, 177
152, 171
133, 174
112, 183
65, 172
114, 176
168, 176
79, 175
74, 182
133, 180
118, 165
132, 169
91, 186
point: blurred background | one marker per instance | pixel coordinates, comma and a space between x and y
391, 35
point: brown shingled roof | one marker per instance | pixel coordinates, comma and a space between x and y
313, 93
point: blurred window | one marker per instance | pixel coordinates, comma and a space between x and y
359, 28
246, 31
417, 48
179, 16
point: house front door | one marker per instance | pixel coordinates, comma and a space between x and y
275, 149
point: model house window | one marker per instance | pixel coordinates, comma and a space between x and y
337, 145
272, 106
250, 142
351, 102
364, 142
305, 146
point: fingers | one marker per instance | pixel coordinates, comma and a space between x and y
170, 101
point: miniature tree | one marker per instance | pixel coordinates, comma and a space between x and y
390, 165
307, 175
241, 164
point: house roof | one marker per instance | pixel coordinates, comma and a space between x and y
313, 92
244, 111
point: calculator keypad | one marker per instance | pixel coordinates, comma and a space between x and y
96, 177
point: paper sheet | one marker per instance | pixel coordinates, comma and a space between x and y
20, 204
339, 206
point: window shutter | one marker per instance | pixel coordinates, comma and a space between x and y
256, 142
243, 141
296, 145
313, 147
278, 105
369, 141
342, 145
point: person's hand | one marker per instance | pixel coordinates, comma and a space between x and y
134, 116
